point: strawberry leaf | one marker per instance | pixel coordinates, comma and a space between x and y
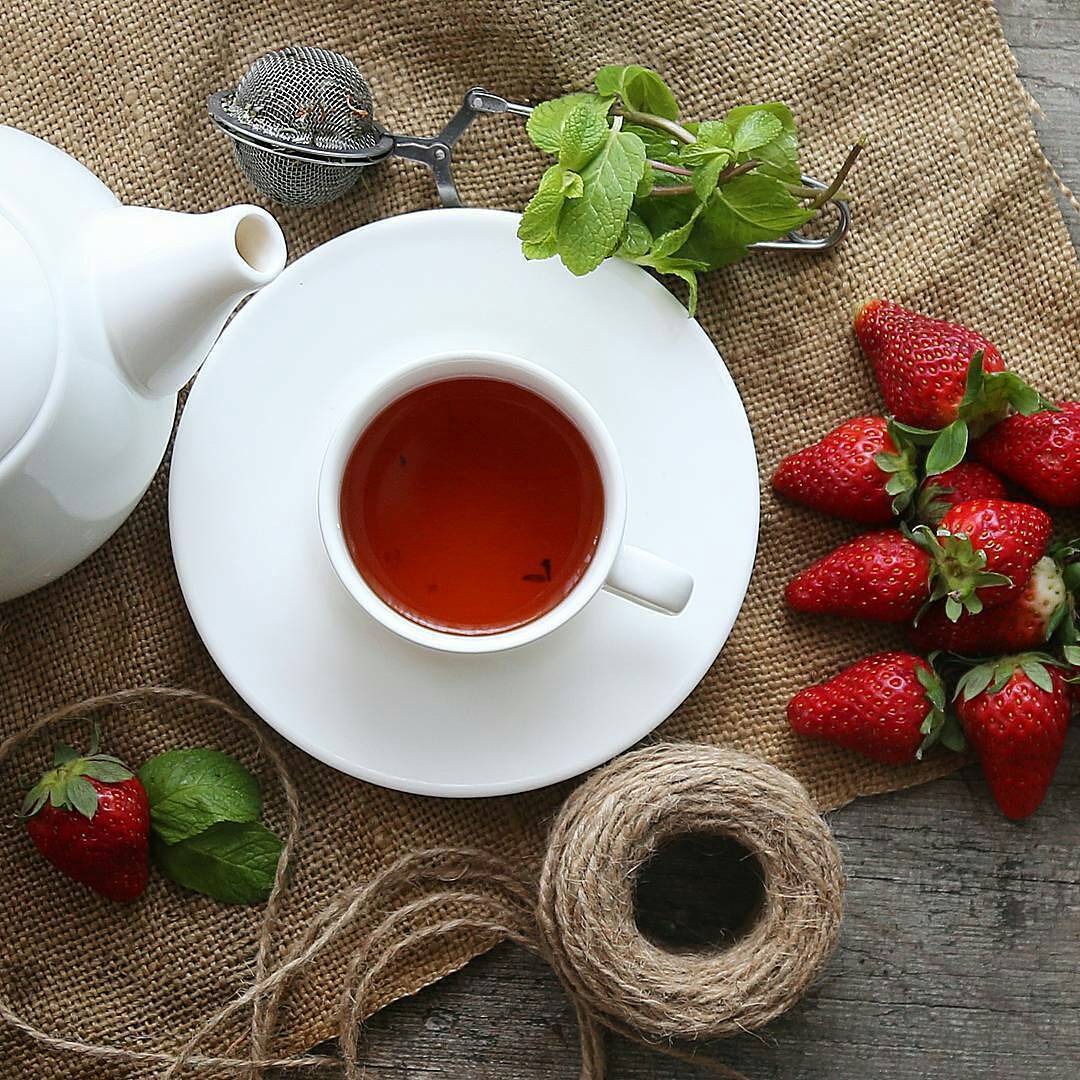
948, 449
64, 754
952, 737
81, 796
939, 724
35, 799
108, 772
918, 435
975, 681
1038, 674
988, 396
1072, 654
975, 381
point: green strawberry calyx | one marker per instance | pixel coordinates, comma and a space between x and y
67, 784
939, 725
902, 467
988, 396
957, 573
932, 502
992, 676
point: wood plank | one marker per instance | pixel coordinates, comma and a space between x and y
958, 958
960, 953
1045, 36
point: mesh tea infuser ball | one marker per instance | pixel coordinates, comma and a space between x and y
308, 97
302, 124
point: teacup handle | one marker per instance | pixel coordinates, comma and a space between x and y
646, 579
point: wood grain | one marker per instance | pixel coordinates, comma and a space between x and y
960, 954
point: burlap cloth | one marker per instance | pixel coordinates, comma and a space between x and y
954, 215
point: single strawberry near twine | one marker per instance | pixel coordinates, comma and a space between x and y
579, 916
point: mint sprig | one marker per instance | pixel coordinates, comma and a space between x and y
205, 833
634, 182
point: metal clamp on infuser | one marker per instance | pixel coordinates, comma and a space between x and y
303, 127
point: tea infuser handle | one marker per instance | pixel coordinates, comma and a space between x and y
646, 579
437, 152
796, 241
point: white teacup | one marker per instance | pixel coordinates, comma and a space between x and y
617, 567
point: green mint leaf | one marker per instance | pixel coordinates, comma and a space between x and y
541, 215
690, 277
686, 269
640, 89
542, 249
758, 128
234, 862
572, 185
591, 227
743, 211
949, 448
583, 133
191, 790
698, 153
714, 133
668, 243
780, 158
706, 176
544, 125
636, 238
658, 145
714, 141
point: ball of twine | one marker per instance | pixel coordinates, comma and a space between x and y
579, 916
616, 821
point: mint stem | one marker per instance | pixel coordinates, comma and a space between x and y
663, 166
645, 119
737, 170
675, 189
830, 192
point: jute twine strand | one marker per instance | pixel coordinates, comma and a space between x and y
579, 917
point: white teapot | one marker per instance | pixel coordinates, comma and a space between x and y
106, 312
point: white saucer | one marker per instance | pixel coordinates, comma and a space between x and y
297, 647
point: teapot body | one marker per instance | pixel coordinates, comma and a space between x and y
95, 442
113, 308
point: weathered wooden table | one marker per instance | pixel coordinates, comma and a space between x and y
960, 955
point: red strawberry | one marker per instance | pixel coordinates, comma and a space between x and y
984, 551
90, 817
879, 575
961, 483
890, 707
1021, 624
1015, 712
920, 363
860, 471
1039, 452
935, 374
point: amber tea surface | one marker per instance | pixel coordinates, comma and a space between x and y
472, 505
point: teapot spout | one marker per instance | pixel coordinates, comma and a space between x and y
166, 282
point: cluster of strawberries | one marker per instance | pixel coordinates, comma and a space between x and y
971, 572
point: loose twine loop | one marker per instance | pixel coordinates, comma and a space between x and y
579, 917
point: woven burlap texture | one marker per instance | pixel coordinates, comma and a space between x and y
954, 215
